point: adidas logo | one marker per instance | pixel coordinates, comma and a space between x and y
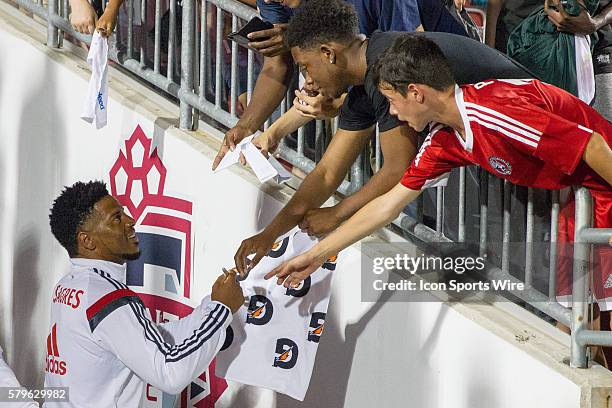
53, 364
608, 283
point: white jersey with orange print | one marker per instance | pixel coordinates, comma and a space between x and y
104, 348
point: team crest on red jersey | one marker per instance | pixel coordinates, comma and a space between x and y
500, 165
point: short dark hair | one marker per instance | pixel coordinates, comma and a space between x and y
71, 209
413, 59
322, 21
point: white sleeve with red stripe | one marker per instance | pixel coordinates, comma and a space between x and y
120, 324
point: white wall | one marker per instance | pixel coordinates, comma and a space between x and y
385, 354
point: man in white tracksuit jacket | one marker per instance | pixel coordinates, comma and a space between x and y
102, 344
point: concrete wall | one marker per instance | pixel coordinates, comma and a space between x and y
386, 354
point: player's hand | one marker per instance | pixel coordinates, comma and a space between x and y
269, 42
291, 273
459, 4
231, 139
321, 221
83, 17
266, 143
259, 244
314, 105
582, 24
108, 20
227, 290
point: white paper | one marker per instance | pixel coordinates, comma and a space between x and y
261, 167
264, 169
232, 157
283, 175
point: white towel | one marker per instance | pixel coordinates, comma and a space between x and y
96, 102
585, 74
273, 342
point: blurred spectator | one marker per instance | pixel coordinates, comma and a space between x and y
504, 16
556, 57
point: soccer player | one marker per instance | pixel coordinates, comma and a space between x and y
333, 56
525, 131
102, 344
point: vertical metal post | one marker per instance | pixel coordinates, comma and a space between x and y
157, 51
130, 28
484, 212
378, 150
529, 239
461, 230
554, 231
250, 75
203, 50
580, 277
506, 227
186, 119
171, 36
143, 35
301, 142
440, 210
319, 140
64, 12
52, 31
234, 67
219, 57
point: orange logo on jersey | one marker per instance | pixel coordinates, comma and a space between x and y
257, 312
287, 354
317, 324
330, 264
284, 356
279, 248
318, 330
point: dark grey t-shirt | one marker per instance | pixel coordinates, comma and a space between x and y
470, 62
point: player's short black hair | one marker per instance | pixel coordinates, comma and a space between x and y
322, 21
71, 209
413, 59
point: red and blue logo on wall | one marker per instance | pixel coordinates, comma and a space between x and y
162, 275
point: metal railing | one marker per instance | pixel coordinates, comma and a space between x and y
203, 89
584, 238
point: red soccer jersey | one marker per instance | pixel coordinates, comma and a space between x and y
526, 131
